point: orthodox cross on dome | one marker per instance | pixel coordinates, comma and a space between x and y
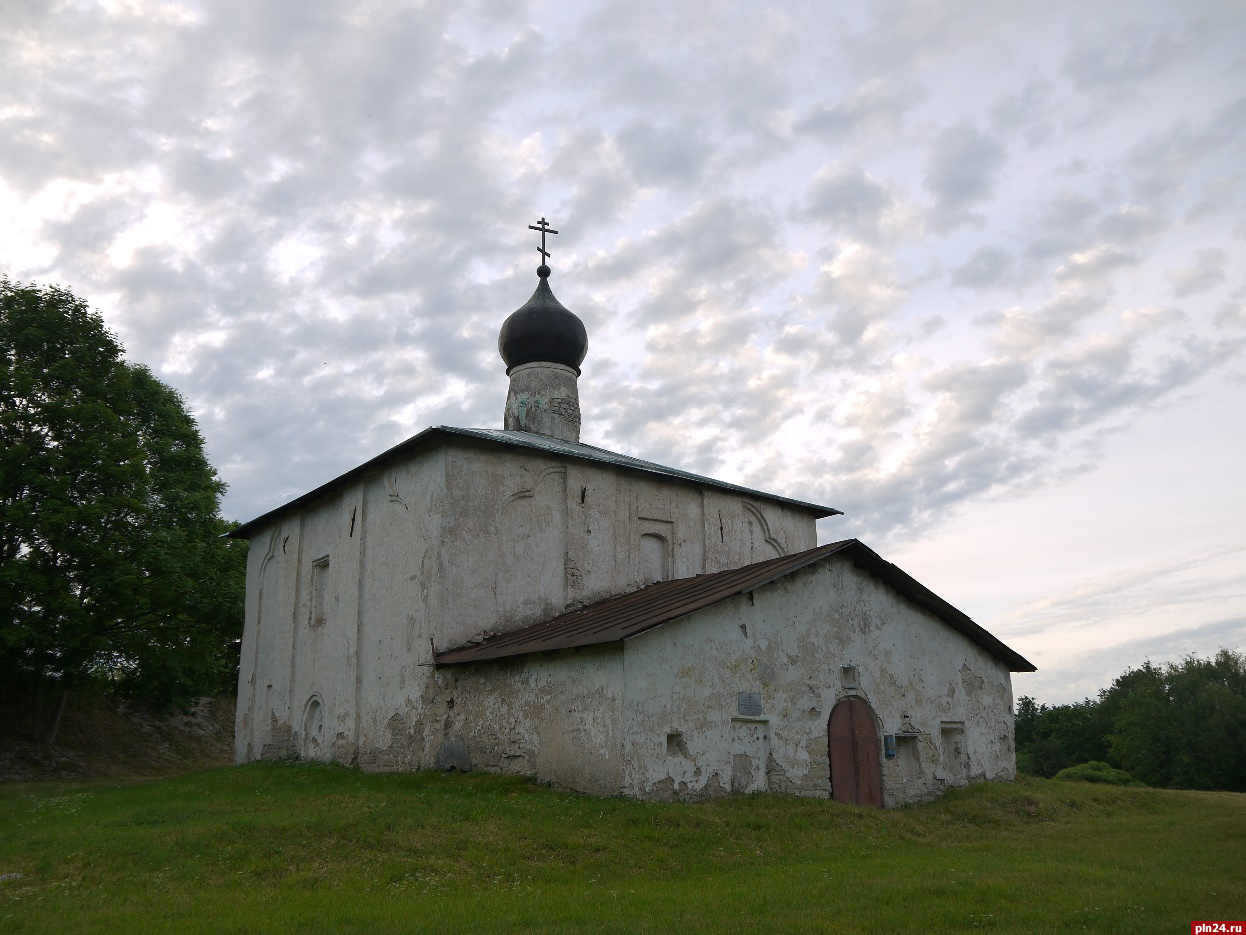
544, 228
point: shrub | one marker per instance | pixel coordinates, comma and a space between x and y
1097, 771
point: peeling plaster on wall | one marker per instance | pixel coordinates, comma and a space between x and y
687, 674
554, 718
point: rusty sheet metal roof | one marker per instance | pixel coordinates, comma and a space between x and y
443, 433
619, 618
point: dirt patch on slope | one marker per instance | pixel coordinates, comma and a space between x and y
103, 737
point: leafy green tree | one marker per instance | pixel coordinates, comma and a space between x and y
1183, 724
1180, 725
112, 565
1050, 739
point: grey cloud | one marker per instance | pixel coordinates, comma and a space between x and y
987, 267
1206, 273
633, 61
1216, 196
696, 373
1100, 380
1164, 161
1189, 579
1130, 56
849, 199
1081, 675
960, 172
663, 156
972, 396
729, 243
874, 103
601, 185
1131, 224
1024, 112
1004, 423
1063, 227
981, 439
1231, 315
1092, 245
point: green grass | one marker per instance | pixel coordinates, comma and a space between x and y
287, 847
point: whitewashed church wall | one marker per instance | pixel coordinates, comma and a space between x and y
741, 531
401, 580
262, 725
683, 733
334, 633
504, 540
528, 536
554, 718
325, 633
260, 568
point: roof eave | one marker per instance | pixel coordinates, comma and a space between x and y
419, 440
442, 433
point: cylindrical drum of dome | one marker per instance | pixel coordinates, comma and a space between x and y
543, 345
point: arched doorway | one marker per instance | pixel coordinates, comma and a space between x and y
856, 777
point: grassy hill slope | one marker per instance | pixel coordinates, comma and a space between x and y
105, 737
288, 847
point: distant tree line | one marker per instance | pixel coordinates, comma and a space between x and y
1181, 725
114, 575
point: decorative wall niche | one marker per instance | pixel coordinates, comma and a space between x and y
955, 756
313, 728
320, 592
850, 676
655, 558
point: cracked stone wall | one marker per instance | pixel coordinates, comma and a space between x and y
799, 646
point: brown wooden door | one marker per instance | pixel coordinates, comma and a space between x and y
856, 777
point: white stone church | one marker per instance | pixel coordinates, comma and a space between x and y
515, 601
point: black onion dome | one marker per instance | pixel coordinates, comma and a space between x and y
542, 330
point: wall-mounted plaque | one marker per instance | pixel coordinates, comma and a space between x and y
749, 704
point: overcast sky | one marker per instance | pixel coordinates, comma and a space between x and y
971, 272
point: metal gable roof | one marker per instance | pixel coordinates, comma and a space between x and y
628, 615
443, 433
